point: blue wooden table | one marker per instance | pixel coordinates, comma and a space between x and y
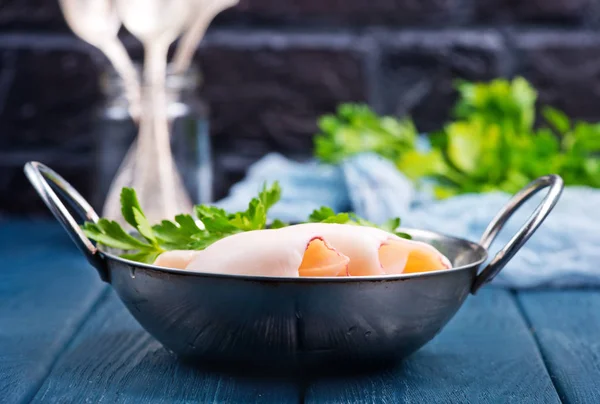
65, 337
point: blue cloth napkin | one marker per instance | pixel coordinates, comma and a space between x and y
564, 252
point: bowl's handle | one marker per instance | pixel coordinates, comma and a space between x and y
44, 180
535, 220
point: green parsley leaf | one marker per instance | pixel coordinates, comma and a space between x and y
187, 224
111, 234
277, 224
510, 104
129, 201
340, 218
357, 129
172, 233
143, 226
255, 218
556, 119
147, 257
326, 215
318, 215
270, 196
391, 225
215, 220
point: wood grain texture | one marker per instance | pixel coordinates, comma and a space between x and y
46, 291
566, 324
485, 354
113, 360
66, 338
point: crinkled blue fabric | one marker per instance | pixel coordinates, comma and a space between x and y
564, 252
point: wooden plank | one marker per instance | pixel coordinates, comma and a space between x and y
114, 360
22, 235
485, 354
46, 291
566, 324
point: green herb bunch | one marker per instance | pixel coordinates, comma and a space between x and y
492, 145
210, 225
356, 129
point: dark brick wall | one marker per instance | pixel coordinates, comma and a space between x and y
272, 66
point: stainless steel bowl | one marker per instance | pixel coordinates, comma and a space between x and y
296, 322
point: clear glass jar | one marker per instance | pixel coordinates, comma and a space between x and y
190, 140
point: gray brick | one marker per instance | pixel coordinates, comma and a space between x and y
46, 15
31, 15
537, 11
267, 90
565, 68
419, 69
48, 94
351, 11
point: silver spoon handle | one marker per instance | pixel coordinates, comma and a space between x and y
555, 183
194, 34
119, 58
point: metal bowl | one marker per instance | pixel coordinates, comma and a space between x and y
296, 322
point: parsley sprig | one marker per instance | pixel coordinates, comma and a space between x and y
355, 128
494, 144
212, 224
327, 215
496, 141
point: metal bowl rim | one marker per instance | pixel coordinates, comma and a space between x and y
321, 279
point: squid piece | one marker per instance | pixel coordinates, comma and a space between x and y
313, 250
